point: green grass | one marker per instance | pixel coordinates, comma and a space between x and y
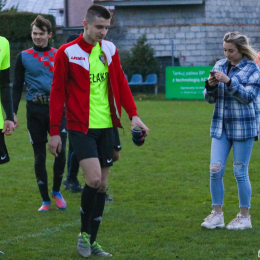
160, 190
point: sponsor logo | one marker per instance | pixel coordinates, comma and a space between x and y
103, 59
30, 137
109, 161
98, 77
3, 157
98, 218
81, 210
77, 58
40, 182
64, 131
119, 146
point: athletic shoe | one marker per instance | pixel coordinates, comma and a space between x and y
60, 202
72, 185
213, 220
97, 250
108, 198
45, 206
84, 247
240, 222
65, 182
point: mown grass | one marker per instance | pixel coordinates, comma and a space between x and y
160, 190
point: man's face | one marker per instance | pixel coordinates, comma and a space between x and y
40, 38
97, 30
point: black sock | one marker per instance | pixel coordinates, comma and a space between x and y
58, 170
88, 200
97, 215
40, 169
43, 187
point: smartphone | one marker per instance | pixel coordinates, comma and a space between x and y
212, 72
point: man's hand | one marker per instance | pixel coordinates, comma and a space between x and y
16, 123
136, 122
8, 127
55, 145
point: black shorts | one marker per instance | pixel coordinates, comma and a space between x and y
38, 123
117, 144
97, 143
4, 157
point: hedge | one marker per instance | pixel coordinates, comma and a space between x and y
16, 26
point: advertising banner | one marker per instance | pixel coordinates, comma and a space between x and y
186, 82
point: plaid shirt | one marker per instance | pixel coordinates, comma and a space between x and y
237, 107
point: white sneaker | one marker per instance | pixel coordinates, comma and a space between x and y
240, 222
213, 220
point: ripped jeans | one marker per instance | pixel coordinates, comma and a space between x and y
220, 149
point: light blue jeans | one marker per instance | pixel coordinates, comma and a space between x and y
220, 149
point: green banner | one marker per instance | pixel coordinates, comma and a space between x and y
186, 82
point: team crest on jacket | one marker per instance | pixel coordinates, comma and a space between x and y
102, 59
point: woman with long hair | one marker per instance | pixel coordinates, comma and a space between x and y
233, 87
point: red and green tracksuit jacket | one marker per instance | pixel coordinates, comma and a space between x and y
71, 84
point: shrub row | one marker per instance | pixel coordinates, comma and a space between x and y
16, 26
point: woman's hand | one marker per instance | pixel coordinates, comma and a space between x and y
222, 77
212, 81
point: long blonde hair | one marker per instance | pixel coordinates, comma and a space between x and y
242, 44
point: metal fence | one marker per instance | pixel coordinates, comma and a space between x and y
17, 47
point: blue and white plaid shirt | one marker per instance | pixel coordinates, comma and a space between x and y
237, 107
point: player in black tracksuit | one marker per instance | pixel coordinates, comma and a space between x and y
34, 68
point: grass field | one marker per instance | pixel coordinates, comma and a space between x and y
160, 190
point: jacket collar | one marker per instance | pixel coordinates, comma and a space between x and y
86, 46
243, 62
40, 49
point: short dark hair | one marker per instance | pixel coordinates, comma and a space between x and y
72, 37
42, 23
97, 10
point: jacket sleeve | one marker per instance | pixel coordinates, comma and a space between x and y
6, 94
57, 96
210, 95
19, 71
126, 97
245, 93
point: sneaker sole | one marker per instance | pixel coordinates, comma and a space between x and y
230, 228
84, 255
74, 191
213, 227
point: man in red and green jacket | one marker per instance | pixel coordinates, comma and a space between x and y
88, 77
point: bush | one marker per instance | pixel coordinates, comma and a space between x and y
141, 59
16, 26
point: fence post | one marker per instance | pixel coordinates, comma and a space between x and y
172, 53
156, 89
